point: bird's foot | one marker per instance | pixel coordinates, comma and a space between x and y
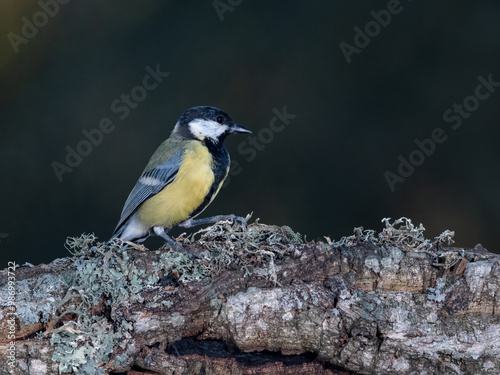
173, 244
241, 221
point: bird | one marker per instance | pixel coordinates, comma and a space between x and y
181, 179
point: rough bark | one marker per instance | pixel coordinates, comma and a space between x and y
264, 303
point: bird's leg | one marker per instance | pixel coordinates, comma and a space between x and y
160, 231
214, 219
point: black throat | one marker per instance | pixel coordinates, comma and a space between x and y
215, 148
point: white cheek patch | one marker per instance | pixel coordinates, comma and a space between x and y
207, 128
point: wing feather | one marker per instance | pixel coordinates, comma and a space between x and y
150, 183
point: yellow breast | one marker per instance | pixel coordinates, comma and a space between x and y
187, 192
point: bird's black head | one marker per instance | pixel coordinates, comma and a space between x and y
207, 123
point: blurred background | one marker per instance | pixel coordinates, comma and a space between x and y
361, 98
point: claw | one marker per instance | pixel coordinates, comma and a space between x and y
240, 220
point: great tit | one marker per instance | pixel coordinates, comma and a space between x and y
181, 179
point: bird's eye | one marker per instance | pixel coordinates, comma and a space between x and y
220, 119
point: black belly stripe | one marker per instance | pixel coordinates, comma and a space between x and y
220, 165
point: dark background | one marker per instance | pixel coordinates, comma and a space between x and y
322, 175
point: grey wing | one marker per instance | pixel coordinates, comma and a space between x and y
149, 184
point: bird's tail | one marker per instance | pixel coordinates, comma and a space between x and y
131, 231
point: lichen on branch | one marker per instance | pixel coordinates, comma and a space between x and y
263, 299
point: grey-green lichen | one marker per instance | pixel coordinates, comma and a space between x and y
402, 232
253, 249
106, 276
30, 291
402, 237
84, 341
437, 292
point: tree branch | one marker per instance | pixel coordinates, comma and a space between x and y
261, 302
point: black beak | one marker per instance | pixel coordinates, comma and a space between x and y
235, 128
